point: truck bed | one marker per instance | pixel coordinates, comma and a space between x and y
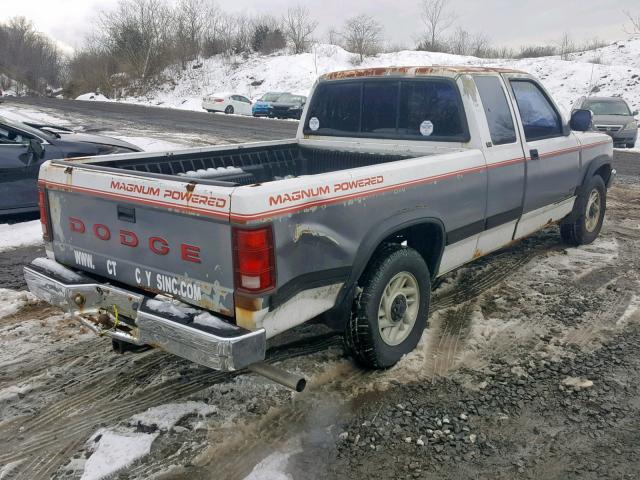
231, 166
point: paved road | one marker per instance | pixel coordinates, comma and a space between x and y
100, 116
109, 115
627, 163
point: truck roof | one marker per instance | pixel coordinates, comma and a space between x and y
414, 71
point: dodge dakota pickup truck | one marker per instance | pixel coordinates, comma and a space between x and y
396, 177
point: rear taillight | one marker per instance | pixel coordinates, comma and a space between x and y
44, 213
218, 100
254, 260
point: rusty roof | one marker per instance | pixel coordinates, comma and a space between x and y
413, 71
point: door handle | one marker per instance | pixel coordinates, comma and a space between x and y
534, 154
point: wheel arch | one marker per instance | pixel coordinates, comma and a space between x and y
421, 229
601, 165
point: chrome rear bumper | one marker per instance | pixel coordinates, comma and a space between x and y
131, 317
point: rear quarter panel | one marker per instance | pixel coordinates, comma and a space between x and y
320, 222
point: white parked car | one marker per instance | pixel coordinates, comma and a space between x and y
228, 103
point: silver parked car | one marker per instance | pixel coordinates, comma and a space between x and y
612, 115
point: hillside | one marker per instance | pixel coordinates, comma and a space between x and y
611, 70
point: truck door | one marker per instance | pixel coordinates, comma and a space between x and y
552, 152
505, 164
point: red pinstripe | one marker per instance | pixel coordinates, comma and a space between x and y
314, 203
154, 203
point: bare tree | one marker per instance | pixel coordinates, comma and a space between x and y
29, 58
138, 33
459, 43
565, 46
437, 18
634, 29
362, 35
299, 28
480, 45
191, 22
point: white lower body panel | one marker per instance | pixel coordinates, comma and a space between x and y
533, 221
489, 241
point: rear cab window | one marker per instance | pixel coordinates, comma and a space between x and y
428, 109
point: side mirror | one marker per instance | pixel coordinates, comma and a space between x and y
635, 113
36, 148
581, 120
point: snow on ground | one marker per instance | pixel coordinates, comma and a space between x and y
166, 416
115, 449
149, 144
23, 234
11, 301
27, 114
615, 71
274, 467
113, 452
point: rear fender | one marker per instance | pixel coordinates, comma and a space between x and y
384, 230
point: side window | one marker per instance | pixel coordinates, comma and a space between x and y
244, 99
11, 136
496, 110
539, 118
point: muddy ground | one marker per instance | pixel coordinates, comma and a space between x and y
530, 369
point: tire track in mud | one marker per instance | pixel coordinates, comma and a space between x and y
107, 396
72, 420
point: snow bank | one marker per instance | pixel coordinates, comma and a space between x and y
615, 71
92, 96
24, 234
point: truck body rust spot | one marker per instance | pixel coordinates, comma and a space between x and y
413, 71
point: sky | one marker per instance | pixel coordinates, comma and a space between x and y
506, 22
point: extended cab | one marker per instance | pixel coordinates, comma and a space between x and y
397, 176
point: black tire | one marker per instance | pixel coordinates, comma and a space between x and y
229, 110
575, 231
362, 336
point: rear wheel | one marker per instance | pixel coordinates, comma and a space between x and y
390, 314
229, 110
588, 214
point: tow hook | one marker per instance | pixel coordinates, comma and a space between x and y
288, 379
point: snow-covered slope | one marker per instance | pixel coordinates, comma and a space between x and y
616, 72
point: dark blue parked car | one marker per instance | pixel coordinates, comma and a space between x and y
262, 106
25, 146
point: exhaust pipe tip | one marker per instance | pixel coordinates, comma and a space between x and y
301, 385
287, 379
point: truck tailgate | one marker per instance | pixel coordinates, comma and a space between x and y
160, 235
